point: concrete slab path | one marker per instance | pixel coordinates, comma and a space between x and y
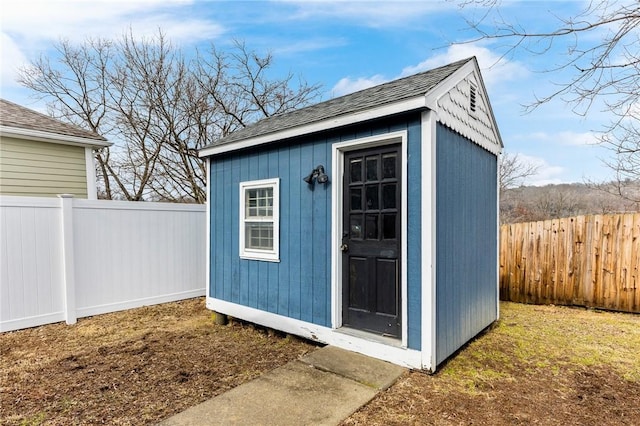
322, 388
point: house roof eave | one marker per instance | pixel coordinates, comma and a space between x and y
49, 137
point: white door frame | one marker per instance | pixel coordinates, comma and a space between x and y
337, 154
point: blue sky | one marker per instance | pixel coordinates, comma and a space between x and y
344, 46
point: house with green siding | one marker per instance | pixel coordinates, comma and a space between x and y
43, 157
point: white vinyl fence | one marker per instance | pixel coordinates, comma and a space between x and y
65, 258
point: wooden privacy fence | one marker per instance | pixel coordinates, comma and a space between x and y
585, 260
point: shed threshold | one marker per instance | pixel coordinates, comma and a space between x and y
371, 337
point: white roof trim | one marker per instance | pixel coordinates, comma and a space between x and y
333, 122
41, 136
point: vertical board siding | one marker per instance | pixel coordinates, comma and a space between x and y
33, 168
584, 261
466, 240
126, 254
294, 286
299, 285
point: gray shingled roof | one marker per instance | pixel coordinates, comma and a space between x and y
14, 115
393, 91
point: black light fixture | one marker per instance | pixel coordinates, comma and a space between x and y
318, 174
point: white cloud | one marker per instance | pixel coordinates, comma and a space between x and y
348, 85
54, 18
37, 22
566, 137
495, 69
10, 60
368, 13
547, 173
30, 27
307, 45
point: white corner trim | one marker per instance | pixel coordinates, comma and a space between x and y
409, 358
428, 239
337, 174
40, 136
337, 154
498, 237
92, 187
208, 226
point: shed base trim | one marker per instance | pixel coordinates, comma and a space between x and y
405, 357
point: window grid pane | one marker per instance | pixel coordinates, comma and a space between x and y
259, 235
259, 203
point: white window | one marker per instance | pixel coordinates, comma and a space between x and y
260, 220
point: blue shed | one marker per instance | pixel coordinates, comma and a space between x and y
368, 222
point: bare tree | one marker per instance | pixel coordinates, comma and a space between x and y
603, 60
158, 107
513, 172
76, 88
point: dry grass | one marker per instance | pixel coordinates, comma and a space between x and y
538, 365
541, 365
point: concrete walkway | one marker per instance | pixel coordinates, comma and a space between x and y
322, 388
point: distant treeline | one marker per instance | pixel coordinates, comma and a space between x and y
533, 203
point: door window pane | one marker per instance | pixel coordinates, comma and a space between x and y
389, 166
355, 227
371, 226
356, 170
389, 226
371, 193
372, 168
389, 196
356, 198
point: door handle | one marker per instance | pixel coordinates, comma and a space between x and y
344, 247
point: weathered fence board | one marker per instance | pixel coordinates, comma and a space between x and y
585, 260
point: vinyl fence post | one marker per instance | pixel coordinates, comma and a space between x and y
66, 205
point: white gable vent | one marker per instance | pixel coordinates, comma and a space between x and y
473, 92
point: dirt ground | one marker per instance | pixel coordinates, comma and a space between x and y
134, 367
537, 365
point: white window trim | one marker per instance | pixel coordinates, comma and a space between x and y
256, 254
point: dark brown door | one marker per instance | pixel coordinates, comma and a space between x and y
371, 240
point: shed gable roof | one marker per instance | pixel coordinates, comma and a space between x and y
384, 99
24, 121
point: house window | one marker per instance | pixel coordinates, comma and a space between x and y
259, 220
